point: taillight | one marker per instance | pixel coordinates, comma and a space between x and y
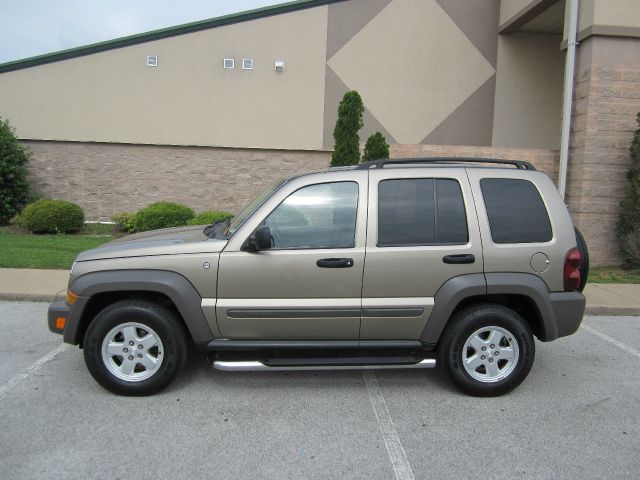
572, 270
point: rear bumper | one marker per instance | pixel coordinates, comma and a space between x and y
568, 308
58, 316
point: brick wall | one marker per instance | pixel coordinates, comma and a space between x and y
606, 102
109, 178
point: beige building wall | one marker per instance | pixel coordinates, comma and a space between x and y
511, 8
189, 99
607, 17
528, 101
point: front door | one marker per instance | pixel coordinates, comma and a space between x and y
308, 285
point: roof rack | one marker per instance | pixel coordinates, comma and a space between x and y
519, 164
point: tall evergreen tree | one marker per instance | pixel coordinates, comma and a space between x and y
346, 150
376, 148
14, 188
628, 227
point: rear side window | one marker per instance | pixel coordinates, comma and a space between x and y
423, 211
516, 211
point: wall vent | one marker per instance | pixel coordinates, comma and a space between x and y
229, 63
152, 61
247, 63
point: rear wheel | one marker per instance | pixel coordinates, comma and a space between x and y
487, 350
135, 347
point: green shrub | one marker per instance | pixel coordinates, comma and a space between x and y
208, 217
124, 221
346, 150
162, 215
376, 148
628, 228
14, 188
52, 216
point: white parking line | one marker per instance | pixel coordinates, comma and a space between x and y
35, 366
396, 453
612, 341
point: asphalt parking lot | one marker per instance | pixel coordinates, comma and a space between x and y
576, 416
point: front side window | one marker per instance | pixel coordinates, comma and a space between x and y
317, 216
421, 211
516, 211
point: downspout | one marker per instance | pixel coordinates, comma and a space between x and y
567, 102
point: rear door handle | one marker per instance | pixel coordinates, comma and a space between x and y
456, 259
335, 263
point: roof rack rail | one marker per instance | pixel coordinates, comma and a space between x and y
519, 164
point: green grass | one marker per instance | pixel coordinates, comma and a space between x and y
25, 250
614, 274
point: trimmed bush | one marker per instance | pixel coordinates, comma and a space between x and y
376, 148
14, 188
124, 221
208, 217
346, 150
162, 215
628, 228
52, 216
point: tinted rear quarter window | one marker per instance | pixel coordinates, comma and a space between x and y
516, 211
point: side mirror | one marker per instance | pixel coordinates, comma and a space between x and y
260, 240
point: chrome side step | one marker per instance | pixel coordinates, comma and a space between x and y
257, 366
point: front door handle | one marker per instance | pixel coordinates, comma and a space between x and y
335, 263
457, 259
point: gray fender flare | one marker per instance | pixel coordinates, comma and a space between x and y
535, 289
450, 294
459, 288
181, 292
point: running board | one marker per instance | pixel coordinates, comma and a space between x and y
257, 366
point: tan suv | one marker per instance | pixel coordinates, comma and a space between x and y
387, 264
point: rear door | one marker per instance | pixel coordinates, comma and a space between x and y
422, 231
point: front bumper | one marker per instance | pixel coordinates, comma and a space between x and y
58, 316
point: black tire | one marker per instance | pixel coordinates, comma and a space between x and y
160, 323
462, 328
584, 263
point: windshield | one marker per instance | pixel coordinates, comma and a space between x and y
252, 207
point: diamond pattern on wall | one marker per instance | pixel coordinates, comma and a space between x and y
413, 67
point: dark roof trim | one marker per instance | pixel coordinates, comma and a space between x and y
164, 33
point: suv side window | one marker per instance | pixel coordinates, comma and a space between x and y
516, 211
317, 216
421, 211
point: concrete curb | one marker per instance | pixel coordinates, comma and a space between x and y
31, 297
612, 311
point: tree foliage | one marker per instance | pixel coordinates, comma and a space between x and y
628, 228
346, 150
14, 188
376, 148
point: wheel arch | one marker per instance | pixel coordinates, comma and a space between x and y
526, 294
98, 289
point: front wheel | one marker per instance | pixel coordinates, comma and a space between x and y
487, 350
135, 347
